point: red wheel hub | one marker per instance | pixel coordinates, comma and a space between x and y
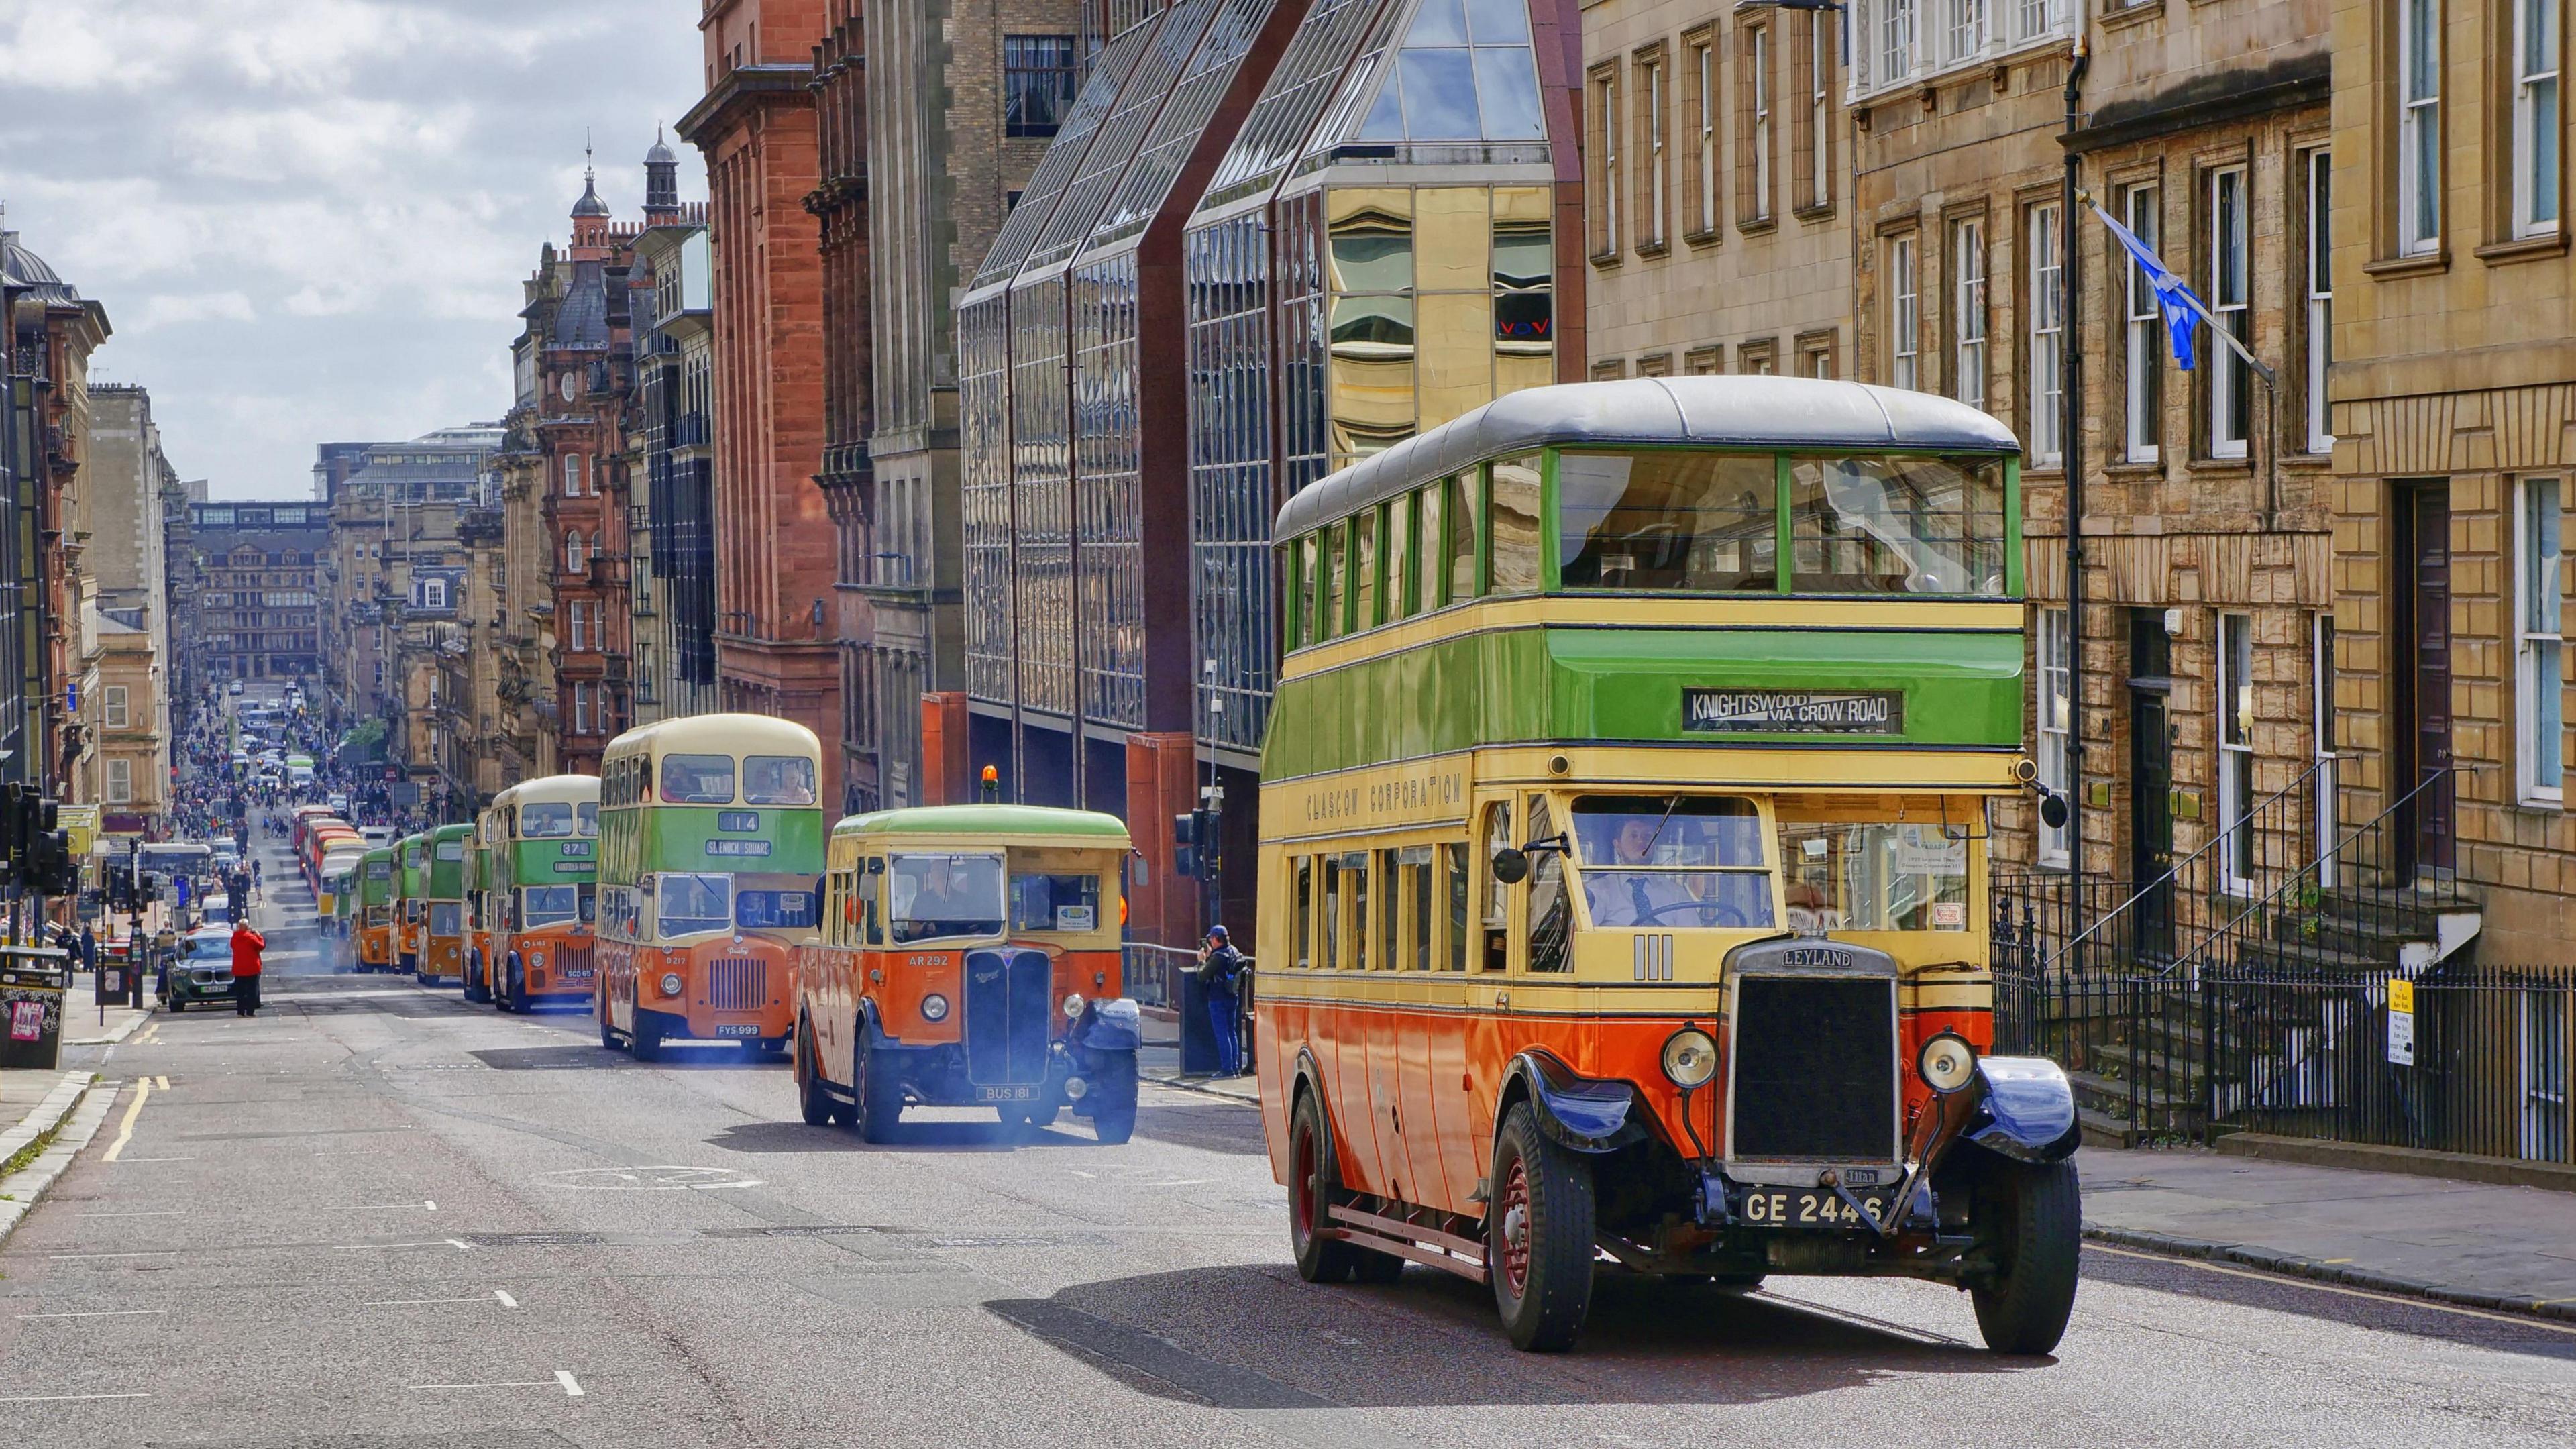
1511, 1229
1301, 1194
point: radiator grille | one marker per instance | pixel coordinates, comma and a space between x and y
1010, 998
1815, 1068
737, 984
572, 963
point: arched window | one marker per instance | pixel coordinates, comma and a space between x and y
574, 554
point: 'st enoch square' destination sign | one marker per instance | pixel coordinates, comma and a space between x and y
1793, 711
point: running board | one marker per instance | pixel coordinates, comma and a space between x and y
1391, 1235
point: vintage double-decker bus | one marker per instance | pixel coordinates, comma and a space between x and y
538, 851
374, 919
442, 950
710, 843
1622, 876
969, 955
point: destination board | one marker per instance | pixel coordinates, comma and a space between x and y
1793, 711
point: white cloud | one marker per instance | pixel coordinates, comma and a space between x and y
352, 190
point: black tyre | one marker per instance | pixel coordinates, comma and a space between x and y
1538, 1236
2036, 1218
473, 971
1113, 1102
813, 1102
1314, 1185
607, 1034
514, 987
646, 1039
878, 1103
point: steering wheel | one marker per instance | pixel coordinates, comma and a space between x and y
1656, 914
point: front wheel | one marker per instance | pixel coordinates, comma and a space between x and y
646, 1038
514, 987
877, 1103
814, 1102
1538, 1236
2038, 1233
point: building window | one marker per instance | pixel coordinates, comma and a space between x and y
572, 476
1816, 356
112, 701
120, 782
1652, 123
2231, 381
1967, 28
1038, 74
2236, 748
1754, 359
1607, 178
2535, 117
2419, 126
430, 594
1757, 130
576, 556
1820, 135
2143, 362
1703, 102
1903, 339
1968, 310
1895, 40
1703, 362
2541, 673
2318, 276
576, 617
2047, 311
2056, 722
581, 709
2038, 18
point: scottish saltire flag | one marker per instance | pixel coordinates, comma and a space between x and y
2182, 309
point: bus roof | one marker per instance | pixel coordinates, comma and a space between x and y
301, 811
448, 832
1735, 411
382, 852
578, 789
1037, 824
717, 734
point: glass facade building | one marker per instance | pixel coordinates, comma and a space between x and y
1270, 238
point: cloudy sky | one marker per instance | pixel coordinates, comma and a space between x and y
309, 219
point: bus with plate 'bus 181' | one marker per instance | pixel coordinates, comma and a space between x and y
1622, 874
535, 902
969, 956
710, 842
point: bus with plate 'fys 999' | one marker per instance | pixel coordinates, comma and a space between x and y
710, 843
1623, 862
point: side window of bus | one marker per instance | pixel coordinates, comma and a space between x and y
1551, 911
871, 919
1305, 631
1413, 868
1515, 510
1453, 865
1497, 919
1462, 505
1331, 865
1355, 879
1305, 921
1399, 557
1432, 574
1337, 582
1390, 910
1364, 570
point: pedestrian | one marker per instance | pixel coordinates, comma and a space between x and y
1221, 976
247, 944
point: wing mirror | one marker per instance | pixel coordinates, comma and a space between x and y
1511, 867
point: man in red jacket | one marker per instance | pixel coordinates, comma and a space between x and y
247, 944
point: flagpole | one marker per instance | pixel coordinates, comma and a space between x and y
2071, 457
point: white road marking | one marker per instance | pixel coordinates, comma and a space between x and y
68, 1398
503, 1298
125, 1129
460, 1245
562, 1380
431, 1243
376, 1207
102, 1313
571, 1390
76, 1257
506, 1300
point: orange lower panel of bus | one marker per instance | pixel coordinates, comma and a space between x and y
444, 959
1410, 1092
556, 964
375, 947
714, 991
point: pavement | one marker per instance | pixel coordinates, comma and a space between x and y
375, 1216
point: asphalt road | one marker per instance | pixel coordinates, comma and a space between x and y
376, 1218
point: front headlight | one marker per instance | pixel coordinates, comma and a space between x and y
1946, 1062
537, 959
934, 1007
1690, 1058
1072, 1005
671, 983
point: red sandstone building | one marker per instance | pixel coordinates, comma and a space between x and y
776, 646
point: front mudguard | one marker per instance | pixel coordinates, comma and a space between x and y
1576, 1112
2025, 1110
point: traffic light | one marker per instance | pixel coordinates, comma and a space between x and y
1194, 843
13, 829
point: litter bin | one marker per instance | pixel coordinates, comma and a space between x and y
115, 982
33, 982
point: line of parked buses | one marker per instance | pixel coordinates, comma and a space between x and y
1621, 880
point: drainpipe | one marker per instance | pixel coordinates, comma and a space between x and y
2071, 421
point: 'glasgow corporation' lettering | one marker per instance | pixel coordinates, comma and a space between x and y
1789, 711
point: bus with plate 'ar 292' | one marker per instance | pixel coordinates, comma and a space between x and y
1622, 875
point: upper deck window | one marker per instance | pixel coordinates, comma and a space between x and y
777, 780
1672, 861
588, 812
1696, 522
1896, 525
1514, 505
697, 779
545, 820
